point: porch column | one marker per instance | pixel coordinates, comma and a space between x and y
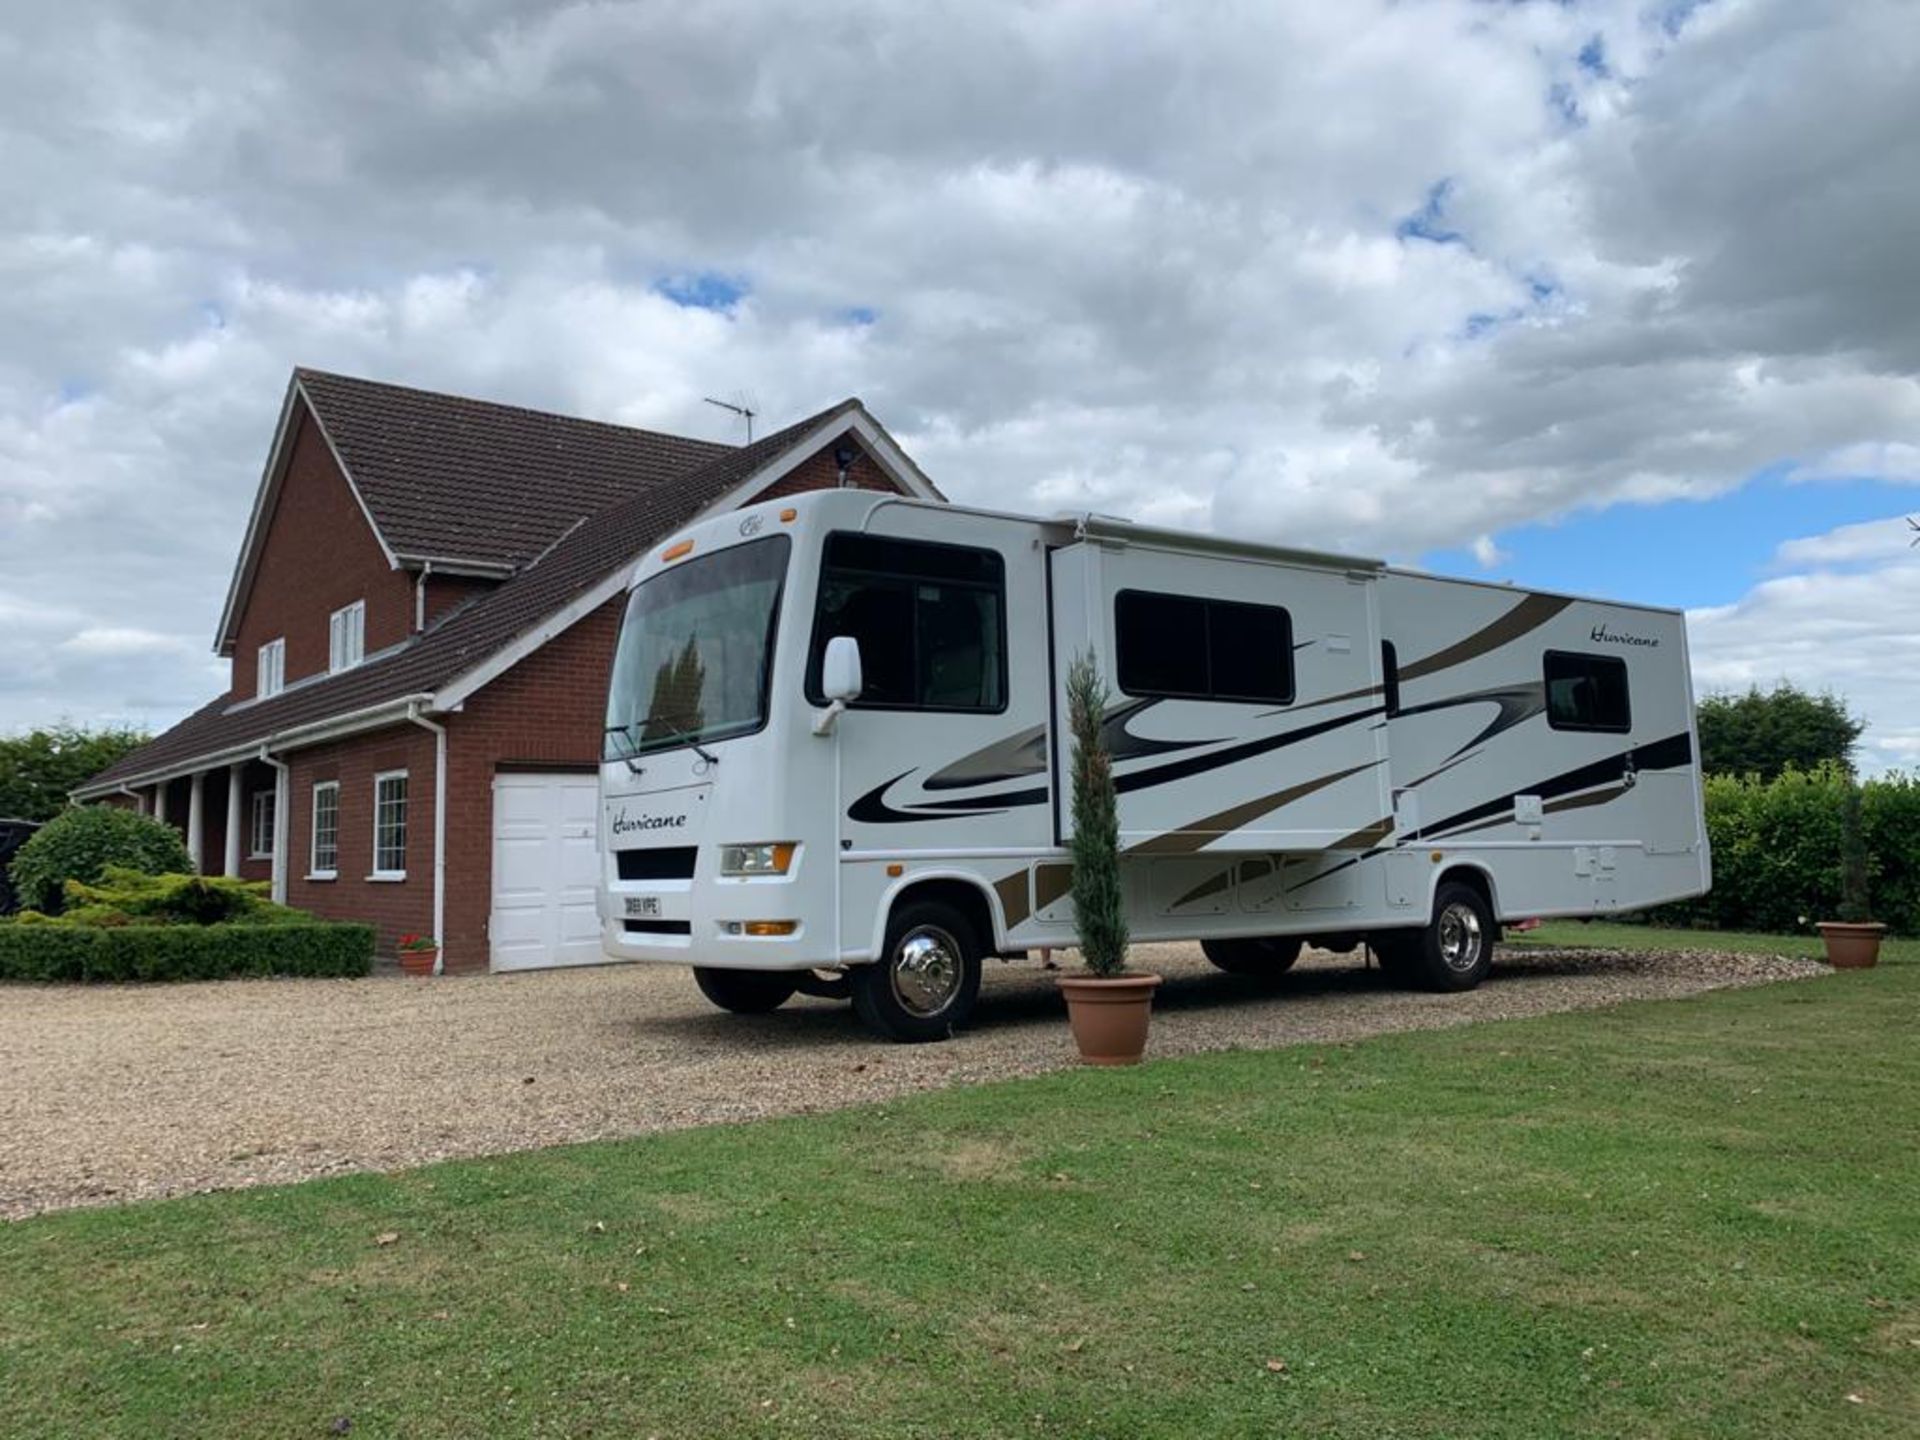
197, 820
160, 802
234, 784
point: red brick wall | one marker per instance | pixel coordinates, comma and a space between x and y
446, 591
318, 555
393, 907
822, 473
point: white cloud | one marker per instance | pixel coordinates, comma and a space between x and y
1115, 256
1850, 631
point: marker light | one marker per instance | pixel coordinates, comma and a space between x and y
768, 859
677, 550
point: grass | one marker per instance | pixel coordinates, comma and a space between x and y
1604, 936
1693, 1218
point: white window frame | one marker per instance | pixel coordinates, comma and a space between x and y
264, 804
347, 637
314, 869
270, 675
380, 780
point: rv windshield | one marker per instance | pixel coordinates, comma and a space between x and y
696, 651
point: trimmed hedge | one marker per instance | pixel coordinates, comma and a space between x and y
80, 844
1777, 852
65, 953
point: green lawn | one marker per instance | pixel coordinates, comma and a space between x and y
1694, 1218
1603, 936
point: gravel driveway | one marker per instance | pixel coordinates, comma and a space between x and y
124, 1093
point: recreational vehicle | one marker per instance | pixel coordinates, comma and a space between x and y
835, 756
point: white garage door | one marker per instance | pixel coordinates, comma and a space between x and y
544, 868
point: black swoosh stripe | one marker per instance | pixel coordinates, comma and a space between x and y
1669, 754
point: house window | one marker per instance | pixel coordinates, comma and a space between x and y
273, 668
1587, 692
324, 863
929, 619
1189, 647
390, 825
260, 838
347, 636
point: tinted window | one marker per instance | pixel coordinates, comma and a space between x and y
1390, 677
1587, 692
1187, 647
929, 619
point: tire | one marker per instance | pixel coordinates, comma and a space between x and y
1261, 956
745, 992
926, 982
1455, 951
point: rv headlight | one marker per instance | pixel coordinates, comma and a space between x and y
768, 859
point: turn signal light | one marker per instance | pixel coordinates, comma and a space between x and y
676, 550
788, 516
769, 927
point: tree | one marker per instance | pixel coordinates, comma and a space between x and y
1099, 907
1763, 732
39, 768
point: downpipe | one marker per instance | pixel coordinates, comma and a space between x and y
439, 834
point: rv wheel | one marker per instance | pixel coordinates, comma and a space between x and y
745, 992
1262, 955
1455, 951
924, 985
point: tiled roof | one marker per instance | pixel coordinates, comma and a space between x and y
467, 636
450, 478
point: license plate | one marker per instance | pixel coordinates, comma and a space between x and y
643, 907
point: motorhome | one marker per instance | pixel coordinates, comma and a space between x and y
835, 760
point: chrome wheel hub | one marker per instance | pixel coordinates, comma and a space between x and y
925, 970
1461, 940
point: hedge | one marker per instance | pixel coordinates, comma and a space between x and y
80, 844
1776, 851
50, 953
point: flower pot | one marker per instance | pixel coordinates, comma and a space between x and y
1109, 1016
418, 962
1851, 946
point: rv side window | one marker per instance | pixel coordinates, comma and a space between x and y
1587, 692
929, 619
1390, 678
1190, 648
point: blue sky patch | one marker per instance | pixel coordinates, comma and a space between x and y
1683, 552
1429, 222
858, 315
703, 290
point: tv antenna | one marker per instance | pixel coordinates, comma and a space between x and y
1913, 525
740, 405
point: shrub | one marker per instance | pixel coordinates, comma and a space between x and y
80, 843
128, 897
1099, 908
54, 952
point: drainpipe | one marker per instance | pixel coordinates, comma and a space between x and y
420, 598
139, 800
439, 832
282, 802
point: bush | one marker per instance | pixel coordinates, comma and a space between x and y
48, 952
126, 897
79, 844
1778, 851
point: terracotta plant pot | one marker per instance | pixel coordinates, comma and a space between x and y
418, 962
1850, 946
1109, 1016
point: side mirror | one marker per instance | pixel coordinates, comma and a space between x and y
840, 670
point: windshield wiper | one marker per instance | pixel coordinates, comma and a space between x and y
625, 732
674, 732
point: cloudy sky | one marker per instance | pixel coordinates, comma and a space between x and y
1614, 297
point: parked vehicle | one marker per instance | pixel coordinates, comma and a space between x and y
13, 834
835, 753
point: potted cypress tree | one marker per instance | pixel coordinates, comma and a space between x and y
1852, 941
1108, 1007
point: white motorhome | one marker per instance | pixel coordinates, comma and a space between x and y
835, 760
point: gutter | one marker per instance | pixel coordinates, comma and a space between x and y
439, 834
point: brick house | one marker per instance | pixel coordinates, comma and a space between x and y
421, 622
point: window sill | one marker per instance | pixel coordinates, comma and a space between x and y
257, 855
389, 877
319, 875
